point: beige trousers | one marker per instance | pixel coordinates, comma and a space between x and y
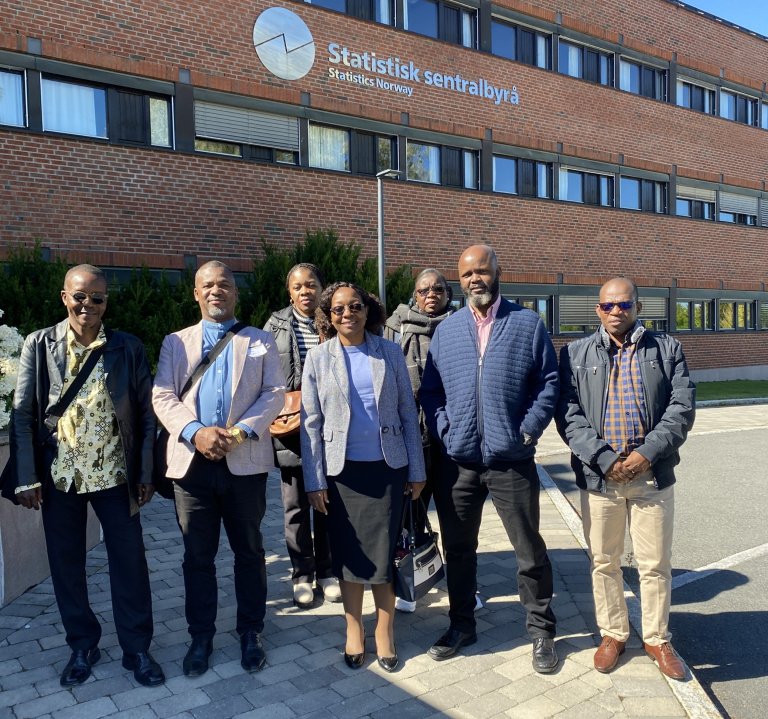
650, 515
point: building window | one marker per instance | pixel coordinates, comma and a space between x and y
378, 10
642, 80
739, 108
522, 44
373, 153
764, 315
74, 109
246, 133
586, 187
528, 178
442, 20
764, 115
736, 315
328, 148
645, 195
422, 162
695, 202
139, 119
11, 98
695, 315
584, 62
542, 306
696, 97
738, 209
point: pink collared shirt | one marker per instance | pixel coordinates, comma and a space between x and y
483, 325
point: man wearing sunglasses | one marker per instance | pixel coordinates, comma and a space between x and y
97, 449
626, 405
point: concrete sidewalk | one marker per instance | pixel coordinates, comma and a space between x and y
306, 675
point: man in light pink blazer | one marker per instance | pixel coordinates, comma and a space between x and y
219, 453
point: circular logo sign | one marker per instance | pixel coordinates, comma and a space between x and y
284, 43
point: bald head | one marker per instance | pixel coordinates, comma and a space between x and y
618, 307
479, 276
214, 265
216, 292
79, 270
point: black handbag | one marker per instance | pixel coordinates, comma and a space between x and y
418, 565
163, 485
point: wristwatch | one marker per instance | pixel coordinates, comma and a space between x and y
238, 433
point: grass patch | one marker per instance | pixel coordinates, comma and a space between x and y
732, 389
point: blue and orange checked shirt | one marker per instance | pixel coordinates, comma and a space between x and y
625, 412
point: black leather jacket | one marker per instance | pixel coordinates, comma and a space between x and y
670, 401
39, 387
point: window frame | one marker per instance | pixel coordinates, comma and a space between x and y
745, 107
461, 30
520, 30
103, 107
585, 73
22, 98
708, 93
527, 175
648, 75
652, 195
591, 184
343, 132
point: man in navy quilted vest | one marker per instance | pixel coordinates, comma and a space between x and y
489, 390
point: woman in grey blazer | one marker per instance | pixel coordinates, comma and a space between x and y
361, 451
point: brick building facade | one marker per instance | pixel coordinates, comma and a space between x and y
580, 139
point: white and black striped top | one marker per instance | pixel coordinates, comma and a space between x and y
306, 334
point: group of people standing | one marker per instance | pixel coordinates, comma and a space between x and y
446, 403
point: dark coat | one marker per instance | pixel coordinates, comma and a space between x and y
670, 402
280, 324
39, 387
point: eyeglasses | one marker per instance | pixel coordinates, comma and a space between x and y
353, 307
437, 289
608, 306
97, 298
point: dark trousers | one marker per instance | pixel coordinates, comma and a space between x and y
310, 558
64, 521
208, 495
459, 497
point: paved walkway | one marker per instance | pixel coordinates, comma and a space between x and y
306, 676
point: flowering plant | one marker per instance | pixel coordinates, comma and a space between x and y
10, 350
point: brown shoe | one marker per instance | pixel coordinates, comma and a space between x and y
667, 658
608, 653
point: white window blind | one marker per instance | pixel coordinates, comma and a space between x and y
242, 125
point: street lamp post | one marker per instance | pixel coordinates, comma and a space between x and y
380, 188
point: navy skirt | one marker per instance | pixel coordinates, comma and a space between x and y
364, 515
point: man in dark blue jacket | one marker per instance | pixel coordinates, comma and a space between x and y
489, 390
626, 406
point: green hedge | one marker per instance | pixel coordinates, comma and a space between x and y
150, 305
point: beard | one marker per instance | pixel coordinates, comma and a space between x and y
216, 312
484, 299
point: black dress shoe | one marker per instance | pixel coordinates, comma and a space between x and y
146, 671
450, 643
254, 658
78, 667
354, 661
196, 660
388, 664
545, 659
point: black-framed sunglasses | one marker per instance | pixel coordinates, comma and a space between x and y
97, 298
608, 306
436, 289
353, 307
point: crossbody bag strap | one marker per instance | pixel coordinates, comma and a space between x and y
206, 362
55, 413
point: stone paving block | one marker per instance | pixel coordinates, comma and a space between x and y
320, 659
180, 684
101, 688
23, 678
272, 694
316, 642
16, 651
490, 705
587, 710
44, 657
445, 698
482, 684
49, 686
9, 667
9, 621
231, 686
93, 709
524, 689
173, 705
280, 673
19, 695
573, 692
310, 701
55, 639
140, 695
652, 707
273, 711
222, 709
44, 705
540, 707
359, 681
358, 706
289, 652
609, 700
641, 687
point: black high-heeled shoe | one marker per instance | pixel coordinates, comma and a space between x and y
354, 661
388, 664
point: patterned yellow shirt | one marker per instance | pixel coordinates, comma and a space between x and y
90, 451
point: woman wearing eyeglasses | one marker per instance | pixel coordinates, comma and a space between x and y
412, 327
361, 450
